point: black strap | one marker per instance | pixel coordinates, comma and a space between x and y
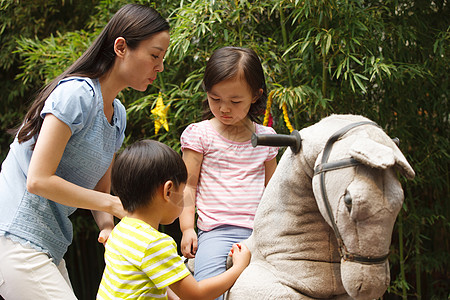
321, 170
338, 134
335, 165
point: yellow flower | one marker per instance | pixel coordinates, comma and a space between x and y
160, 114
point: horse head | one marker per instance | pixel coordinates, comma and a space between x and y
359, 195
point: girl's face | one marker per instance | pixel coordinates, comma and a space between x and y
230, 100
142, 64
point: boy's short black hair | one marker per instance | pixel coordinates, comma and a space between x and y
141, 169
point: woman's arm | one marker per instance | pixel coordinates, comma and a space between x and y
270, 167
42, 180
193, 161
104, 220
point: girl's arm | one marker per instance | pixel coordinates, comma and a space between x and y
42, 180
211, 288
193, 161
270, 166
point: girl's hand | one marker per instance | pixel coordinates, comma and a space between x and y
189, 243
104, 235
241, 255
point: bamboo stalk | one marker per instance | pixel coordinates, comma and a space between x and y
401, 256
285, 43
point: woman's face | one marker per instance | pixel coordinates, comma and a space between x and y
141, 65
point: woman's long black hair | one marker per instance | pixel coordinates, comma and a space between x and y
133, 22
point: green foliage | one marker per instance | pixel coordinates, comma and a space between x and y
59, 51
387, 60
32, 20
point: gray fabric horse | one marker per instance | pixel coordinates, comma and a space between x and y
294, 245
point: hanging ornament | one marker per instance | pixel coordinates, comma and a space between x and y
286, 117
267, 115
160, 114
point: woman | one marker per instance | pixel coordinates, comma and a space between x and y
60, 159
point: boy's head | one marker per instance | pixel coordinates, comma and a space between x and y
141, 169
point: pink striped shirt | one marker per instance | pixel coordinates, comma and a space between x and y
232, 175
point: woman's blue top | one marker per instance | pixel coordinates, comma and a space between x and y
36, 221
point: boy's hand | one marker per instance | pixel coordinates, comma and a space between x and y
189, 243
241, 255
104, 235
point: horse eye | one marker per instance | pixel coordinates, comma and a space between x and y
348, 201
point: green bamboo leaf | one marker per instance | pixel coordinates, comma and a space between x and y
328, 45
385, 68
318, 38
361, 76
356, 60
360, 84
304, 46
338, 70
356, 41
294, 45
350, 78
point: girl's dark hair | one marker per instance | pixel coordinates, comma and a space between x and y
226, 63
133, 22
141, 169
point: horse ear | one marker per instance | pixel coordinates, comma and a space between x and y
405, 167
380, 156
372, 153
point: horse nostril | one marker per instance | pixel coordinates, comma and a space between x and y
348, 201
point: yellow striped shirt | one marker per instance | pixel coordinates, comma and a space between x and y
140, 262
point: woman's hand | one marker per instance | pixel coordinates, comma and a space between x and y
105, 223
117, 209
104, 235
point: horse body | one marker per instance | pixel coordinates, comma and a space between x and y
295, 254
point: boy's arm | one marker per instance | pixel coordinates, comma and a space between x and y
171, 295
211, 288
193, 161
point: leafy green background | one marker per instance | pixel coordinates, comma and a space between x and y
386, 60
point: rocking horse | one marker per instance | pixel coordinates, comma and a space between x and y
324, 224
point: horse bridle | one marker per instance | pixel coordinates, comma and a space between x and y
326, 166
294, 141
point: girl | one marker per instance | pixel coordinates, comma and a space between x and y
227, 175
60, 159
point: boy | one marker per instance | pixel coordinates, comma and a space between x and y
149, 178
